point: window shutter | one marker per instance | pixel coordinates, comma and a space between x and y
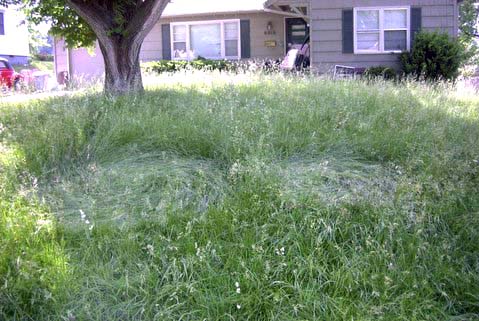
166, 41
245, 39
416, 23
348, 31
2, 25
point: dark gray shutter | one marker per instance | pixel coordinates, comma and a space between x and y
245, 39
416, 23
2, 25
166, 41
348, 31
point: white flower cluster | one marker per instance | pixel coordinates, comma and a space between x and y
280, 252
85, 220
238, 291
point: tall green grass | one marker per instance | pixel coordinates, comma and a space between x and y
267, 198
34, 269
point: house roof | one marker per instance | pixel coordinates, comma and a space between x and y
201, 7
198, 7
269, 3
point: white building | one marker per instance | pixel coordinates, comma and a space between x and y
13, 36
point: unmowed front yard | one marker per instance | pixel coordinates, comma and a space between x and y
263, 198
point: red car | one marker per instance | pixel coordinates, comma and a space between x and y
8, 76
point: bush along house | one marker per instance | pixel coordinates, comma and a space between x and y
357, 33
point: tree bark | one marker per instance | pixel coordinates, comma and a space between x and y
122, 66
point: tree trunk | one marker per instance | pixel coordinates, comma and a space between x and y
122, 65
120, 48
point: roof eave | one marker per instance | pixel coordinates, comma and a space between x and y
185, 15
269, 3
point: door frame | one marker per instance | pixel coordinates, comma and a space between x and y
286, 31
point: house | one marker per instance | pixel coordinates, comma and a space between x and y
14, 42
359, 33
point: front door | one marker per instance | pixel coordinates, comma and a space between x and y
296, 31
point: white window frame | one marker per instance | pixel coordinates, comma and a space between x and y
222, 23
382, 29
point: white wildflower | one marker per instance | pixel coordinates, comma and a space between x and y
82, 215
85, 220
280, 251
234, 170
150, 249
238, 306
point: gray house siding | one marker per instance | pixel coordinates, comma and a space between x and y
82, 65
326, 26
152, 46
330, 46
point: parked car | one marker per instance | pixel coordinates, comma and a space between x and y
8, 76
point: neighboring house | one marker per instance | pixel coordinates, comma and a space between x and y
359, 33
13, 36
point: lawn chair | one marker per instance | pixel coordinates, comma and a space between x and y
344, 72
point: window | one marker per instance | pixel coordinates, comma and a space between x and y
381, 30
207, 39
179, 41
232, 39
2, 24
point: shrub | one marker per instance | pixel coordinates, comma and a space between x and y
383, 72
162, 66
258, 65
434, 56
43, 57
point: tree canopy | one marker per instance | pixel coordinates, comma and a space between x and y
468, 29
468, 19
